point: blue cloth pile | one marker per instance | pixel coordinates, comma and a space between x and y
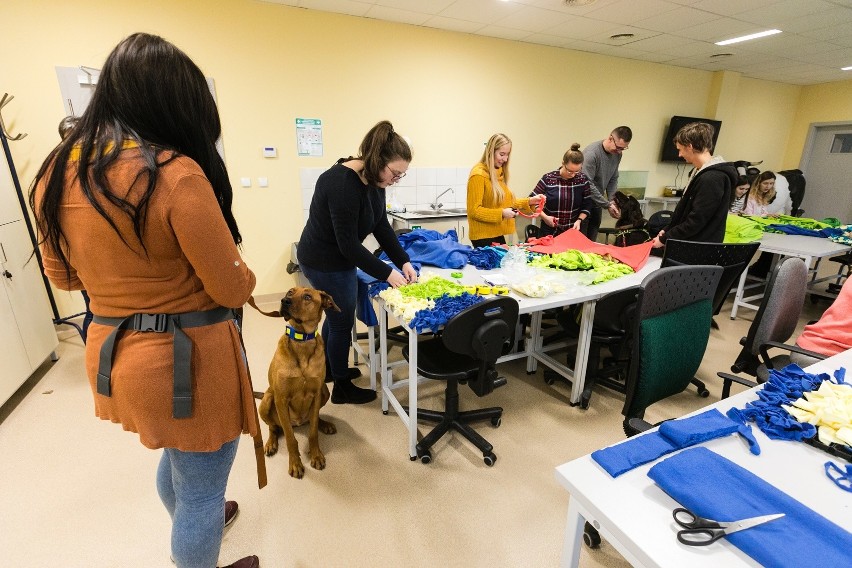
795, 230
784, 386
486, 258
431, 247
445, 308
368, 287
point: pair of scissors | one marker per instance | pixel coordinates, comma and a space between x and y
698, 531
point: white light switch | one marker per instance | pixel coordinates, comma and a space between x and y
262, 182
245, 182
270, 152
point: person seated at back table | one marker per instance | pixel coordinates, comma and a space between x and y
831, 334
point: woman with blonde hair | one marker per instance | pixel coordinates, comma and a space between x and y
761, 194
491, 205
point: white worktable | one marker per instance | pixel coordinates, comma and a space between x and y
810, 249
635, 516
577, 293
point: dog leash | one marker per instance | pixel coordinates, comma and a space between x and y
259, 454
275, 314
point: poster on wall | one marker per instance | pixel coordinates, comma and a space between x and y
309, 137
76, 85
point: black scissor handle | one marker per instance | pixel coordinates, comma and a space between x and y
699, 537
689, 520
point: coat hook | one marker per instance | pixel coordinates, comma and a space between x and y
7, 98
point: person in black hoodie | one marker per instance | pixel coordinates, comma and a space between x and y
701, 213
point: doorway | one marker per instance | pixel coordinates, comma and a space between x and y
827, 165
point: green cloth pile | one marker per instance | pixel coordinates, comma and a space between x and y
576, 260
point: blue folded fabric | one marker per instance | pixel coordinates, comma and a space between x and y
828, 232
672, 435
436, 249
716, 488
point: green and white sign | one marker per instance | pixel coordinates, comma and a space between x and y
309, 136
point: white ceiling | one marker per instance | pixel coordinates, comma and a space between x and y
816, 40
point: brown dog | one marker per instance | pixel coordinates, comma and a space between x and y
297, 387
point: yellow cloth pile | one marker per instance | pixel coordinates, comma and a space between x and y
829, 408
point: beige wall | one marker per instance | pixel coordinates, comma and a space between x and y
830, 102
447, 91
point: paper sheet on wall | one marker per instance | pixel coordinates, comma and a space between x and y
309, 136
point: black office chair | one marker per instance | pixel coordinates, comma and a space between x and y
466, 352
611, 329
659, 221
774, 324
732, 257
670, 335
531, 231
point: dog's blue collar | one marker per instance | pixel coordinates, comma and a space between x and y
298, 335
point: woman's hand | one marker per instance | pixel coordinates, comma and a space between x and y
509, 213
657, 242
396, 279
535, 199
577, 223
409, 273
548, 220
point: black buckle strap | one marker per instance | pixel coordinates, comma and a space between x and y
182, 345
150, 322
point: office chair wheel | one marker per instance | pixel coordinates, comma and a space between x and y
591, 536
496, 421
704, 393
425, 456
489, 459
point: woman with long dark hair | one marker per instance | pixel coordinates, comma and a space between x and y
135, 206
348, 204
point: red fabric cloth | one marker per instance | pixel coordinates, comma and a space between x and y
634, 256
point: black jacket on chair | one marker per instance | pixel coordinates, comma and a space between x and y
701, 213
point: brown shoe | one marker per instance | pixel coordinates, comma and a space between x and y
232, 509
247, 562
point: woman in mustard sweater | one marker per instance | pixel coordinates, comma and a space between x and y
491, 206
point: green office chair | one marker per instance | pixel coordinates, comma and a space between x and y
670, 336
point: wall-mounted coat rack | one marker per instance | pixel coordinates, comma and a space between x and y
7, 98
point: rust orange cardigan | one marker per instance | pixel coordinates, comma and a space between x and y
191, 264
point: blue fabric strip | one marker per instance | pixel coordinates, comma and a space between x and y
672, 435
716, 488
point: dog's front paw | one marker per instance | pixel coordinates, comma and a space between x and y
318, 461
297, 470
327, 427
271, 446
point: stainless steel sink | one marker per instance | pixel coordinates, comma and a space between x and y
439, 212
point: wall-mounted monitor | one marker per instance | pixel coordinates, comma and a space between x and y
669, 153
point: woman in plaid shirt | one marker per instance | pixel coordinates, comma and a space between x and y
568, 194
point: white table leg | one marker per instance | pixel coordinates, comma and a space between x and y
582, 358
740, 292
532, 342
573, 537
412, 395
383, 352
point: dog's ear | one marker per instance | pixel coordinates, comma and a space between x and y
328, 302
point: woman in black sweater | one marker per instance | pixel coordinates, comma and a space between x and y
348, 204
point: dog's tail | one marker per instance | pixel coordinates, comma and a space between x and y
275, 314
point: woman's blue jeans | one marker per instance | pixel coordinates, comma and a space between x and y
337, 328
192, 487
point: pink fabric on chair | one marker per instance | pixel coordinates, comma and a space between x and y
633, 256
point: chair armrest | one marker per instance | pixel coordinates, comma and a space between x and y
736, 379
767, 360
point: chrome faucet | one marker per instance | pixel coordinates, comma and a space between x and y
435, 206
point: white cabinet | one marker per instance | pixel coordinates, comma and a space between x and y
27, 334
